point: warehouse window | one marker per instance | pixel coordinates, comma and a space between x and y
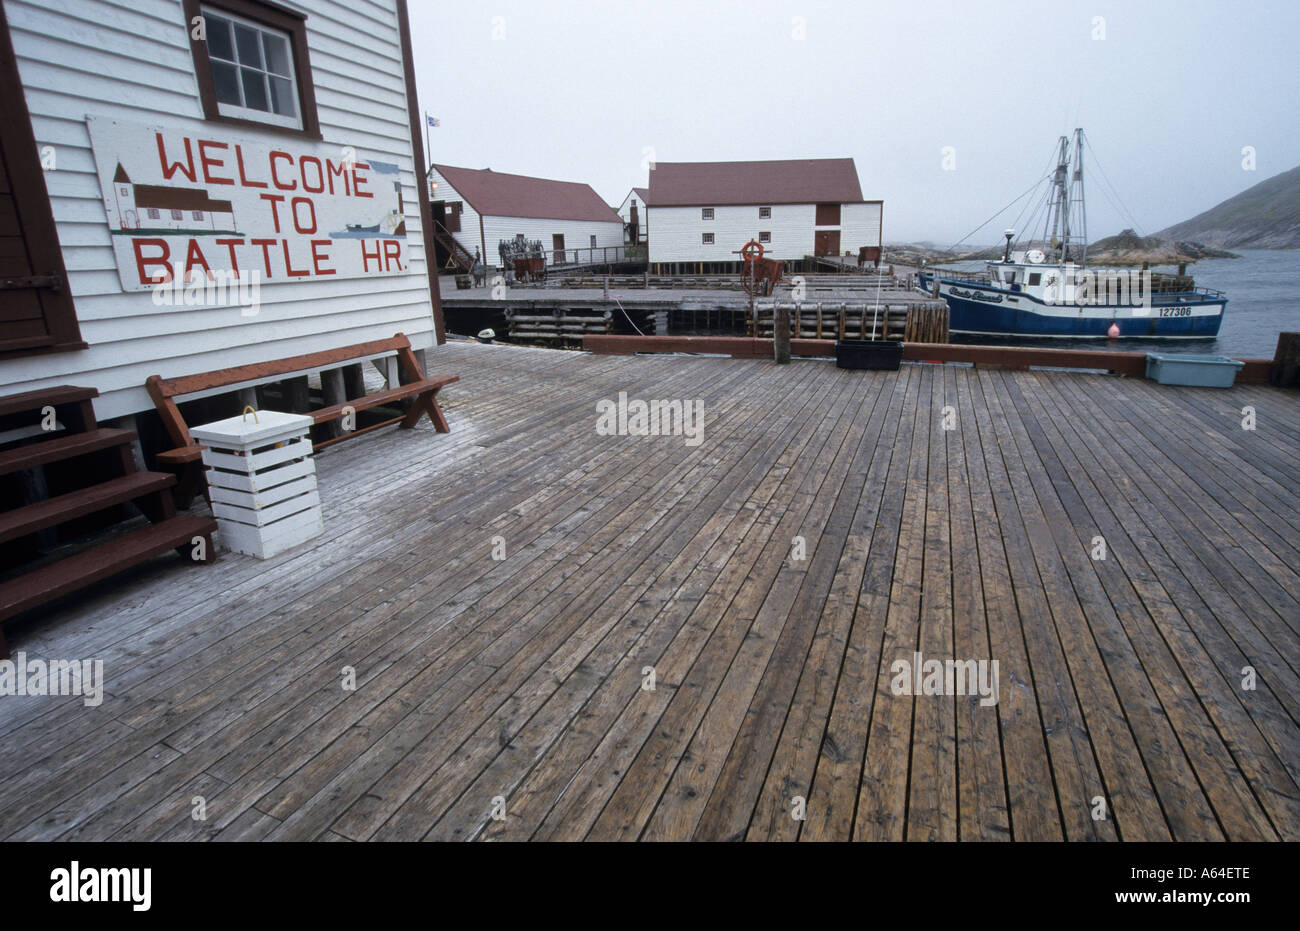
251, 62
178, 215
765, 213
764, 237
154, 214
706, 213
706, 239
197, 214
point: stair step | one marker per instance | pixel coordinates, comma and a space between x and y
100, 562
53, 511
65, 447
33, 400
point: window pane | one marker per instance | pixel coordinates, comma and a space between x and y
277, 54
282, 97
250, 50
220, 44
255, 89
226, 81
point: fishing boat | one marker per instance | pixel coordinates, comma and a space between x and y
1043, 287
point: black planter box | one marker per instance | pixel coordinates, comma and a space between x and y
882, 354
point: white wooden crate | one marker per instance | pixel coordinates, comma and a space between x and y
261, 481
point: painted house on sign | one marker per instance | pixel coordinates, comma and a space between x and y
702, 213
634, 216
479, 208
171, 209
235, 152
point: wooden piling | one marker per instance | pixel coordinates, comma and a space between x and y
781, 333
1286, 361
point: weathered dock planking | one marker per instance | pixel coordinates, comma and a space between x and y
522, 679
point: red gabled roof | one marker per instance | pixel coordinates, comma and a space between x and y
785, 181
497, 194
178, 198
643, 193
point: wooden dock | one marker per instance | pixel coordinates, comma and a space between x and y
520, 684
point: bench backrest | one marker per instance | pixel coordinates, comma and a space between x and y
165, 390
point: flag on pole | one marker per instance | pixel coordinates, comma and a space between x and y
433, 120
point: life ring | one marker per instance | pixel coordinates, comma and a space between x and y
752, 250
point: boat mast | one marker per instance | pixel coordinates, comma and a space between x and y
1058, 223
1076, 193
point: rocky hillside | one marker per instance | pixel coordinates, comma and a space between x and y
1266, 216
1128, 248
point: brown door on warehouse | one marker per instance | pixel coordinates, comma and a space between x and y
827, 215
557, 243
36, 310
827, 242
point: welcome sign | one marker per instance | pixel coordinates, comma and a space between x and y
211, 204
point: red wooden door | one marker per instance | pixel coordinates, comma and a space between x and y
827, 215
826, 242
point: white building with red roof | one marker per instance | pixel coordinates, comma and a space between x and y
482, 207
704, 212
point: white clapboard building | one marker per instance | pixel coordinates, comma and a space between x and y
702, 213
268, 143
634, 216
482, 207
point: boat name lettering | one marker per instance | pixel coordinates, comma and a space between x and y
977, 296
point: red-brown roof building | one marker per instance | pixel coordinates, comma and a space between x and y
482, 207
705, 212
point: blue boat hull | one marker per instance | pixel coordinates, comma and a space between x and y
995, 316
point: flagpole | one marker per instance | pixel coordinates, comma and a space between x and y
428, 154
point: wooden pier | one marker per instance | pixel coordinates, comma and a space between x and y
649, 658
903, 317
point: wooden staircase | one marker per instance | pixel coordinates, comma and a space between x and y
107, 478
459, 256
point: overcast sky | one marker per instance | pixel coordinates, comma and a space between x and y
583, 91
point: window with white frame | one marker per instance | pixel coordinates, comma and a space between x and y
765, 213
253, 73
706, 213
706, 239
764, 237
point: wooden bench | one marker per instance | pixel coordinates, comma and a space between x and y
186, 456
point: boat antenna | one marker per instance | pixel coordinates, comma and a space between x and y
1006, 255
